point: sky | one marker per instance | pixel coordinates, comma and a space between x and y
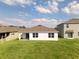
37, 12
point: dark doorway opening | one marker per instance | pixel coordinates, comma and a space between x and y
27, 36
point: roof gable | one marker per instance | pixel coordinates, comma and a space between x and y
41, 28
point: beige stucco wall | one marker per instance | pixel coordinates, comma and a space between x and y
74, 27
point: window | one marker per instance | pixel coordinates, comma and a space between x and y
35, 35
67, 25
51, 35
70, 34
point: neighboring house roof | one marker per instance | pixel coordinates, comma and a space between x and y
8, 29
38, 28
72, 21
1, 25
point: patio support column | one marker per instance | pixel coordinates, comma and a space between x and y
5, 36
2, 37
19, 36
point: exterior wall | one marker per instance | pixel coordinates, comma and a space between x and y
74, 27
60, 28
43, 36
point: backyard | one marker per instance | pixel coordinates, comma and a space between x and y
62, 49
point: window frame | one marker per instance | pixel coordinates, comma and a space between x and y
51, 35
35, 35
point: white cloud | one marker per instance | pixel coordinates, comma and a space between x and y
72, 8
55, 0
41, 9
55, 3
16, 2
23, 6
2, 22
50, 9
47, 22
29, 23
16, 21
40, 20
53, 6
13, 21
59, 0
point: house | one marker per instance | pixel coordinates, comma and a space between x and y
69, 29
39, 33
34, 33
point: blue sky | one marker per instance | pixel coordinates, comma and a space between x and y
35, 12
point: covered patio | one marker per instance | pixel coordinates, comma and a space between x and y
4, 35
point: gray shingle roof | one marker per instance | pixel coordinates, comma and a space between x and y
38, 28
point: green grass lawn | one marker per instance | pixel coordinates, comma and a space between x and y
62, 49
